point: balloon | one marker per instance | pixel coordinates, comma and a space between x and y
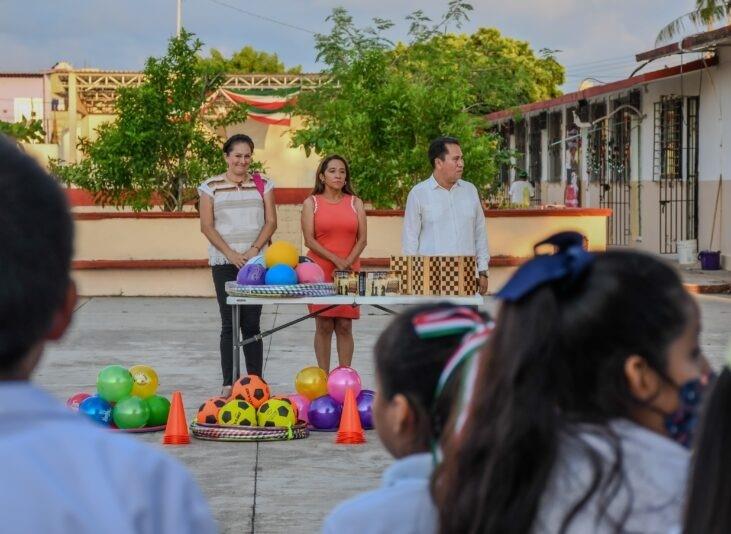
114, 383
97, 409
340, 379
159, 410
281, 275
302, 403
74, 400
281, 252
364, 400
146, 381
311, 382
324, 412
132, 412
310, 273
257, 260
251, 274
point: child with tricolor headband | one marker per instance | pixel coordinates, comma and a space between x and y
420, 360
585, 401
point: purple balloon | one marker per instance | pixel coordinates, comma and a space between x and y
251, 274
324, 413
364, 400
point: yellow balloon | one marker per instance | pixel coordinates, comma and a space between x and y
311, 382
145, 381
281, 252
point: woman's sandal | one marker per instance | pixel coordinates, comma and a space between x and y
226, 391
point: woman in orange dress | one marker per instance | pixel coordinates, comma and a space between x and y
334, 228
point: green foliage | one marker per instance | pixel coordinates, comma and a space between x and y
388, 101
247, 61
706, 12
24, 131
161, 144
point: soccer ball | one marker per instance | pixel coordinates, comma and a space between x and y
208, 412
276, 412
237, 413
251, 388
292, 404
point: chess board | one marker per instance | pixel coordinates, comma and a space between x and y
436, 275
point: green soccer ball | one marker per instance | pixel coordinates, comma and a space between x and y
276, 412
237, 413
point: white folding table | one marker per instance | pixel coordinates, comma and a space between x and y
329, 302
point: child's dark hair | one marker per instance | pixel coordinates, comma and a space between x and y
709, 484
236, 139
408, 365
36, 232
556, 357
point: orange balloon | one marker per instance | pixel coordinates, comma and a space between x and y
311, 382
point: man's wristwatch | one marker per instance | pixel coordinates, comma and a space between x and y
482, 274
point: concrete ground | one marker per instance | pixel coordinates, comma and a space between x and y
267, 487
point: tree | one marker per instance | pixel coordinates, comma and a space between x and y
24, 131
162, 143
387, 101
247, 61
706, 12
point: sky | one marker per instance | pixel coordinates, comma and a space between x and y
596, 38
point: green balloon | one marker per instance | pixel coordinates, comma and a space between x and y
159, 409
114, 383
131, 412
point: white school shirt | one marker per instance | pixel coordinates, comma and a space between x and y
63, 473
521, 192
238, 214
655, 470
402, 505
445, 222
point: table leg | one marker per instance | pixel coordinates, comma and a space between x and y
236, 356
382, 308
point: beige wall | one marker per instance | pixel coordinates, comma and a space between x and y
41, 152
180, 239
287, 166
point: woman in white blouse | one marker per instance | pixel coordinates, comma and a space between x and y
238, 216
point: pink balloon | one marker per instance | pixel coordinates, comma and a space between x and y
340, 380
303, 404
310, 273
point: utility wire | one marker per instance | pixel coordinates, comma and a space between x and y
262, 17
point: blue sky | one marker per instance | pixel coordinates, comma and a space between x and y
597, 38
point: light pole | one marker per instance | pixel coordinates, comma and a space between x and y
180, 17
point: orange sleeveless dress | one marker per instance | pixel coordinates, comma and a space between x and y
336, 229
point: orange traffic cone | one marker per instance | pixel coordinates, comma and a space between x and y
351, 430
176, 430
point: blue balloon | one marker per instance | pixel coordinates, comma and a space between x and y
280, 275
97, 409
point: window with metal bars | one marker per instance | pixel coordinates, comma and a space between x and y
520, 131
504, 133
554, 146
597, 143
668, 159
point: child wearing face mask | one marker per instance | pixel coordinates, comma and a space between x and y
419, 358
584, 403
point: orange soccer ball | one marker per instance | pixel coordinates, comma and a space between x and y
208, 412
251, 388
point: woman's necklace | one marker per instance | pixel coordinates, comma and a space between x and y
238, 183
330, 200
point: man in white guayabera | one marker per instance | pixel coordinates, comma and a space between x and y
444, 215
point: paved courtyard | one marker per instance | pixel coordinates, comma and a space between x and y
268, 487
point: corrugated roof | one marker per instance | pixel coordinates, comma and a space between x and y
593, 92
